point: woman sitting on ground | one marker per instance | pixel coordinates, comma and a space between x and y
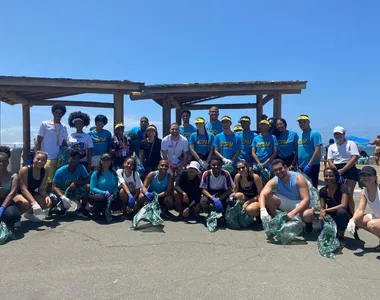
334, 201
103, 183
161, 183
370, 195
33, 180
9, 184
129, 184
248, 187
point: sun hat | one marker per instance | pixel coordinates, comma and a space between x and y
194, 165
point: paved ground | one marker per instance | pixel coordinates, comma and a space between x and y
76, 259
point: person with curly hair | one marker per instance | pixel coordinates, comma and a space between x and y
80, 141
50, 137
101, 139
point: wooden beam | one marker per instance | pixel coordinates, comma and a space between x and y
220, 106
71, 103
166, 117
118, 110
259, 109
26, 131
266, 99
277, 105
178, 116
14, 97
174, 103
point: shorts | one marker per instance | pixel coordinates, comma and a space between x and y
51, 168
371, 217
288, 205
95, 160
288, 160
352, 173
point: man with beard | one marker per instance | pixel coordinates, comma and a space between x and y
214, 126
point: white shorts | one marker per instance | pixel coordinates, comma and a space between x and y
371, 216
286, 204
95, 160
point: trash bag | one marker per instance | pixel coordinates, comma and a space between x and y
150, 212
212, 220
108, 212
237, 217
76, 194
282, 230
263, 172
327, 241
229, 168
63, 156
5, 233
313, 193
245, 219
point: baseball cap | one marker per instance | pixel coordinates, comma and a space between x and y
105, 156
226, 118
303, 117
368, 170
245, 119
199, 121
339, 129
118, 125
264, 122
194, 165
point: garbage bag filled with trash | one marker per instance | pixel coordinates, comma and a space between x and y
263, 172
313, 193
108, 212
150, 212
212, 220
5, 233
63, 156
327, 241
236, 216
282, 230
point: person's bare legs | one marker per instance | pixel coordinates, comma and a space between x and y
272, 203
307, 215
351, 186
372, 226
22, 204
178, 202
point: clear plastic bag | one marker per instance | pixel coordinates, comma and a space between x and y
313, 193
5, 233
264, 173
212, 220
236, 216
63, 156
150, 212
108, 212
327, 241
282, 230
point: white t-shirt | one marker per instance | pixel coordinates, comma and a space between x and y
175, 148
133, 184
80, 142
342, 154
53, 137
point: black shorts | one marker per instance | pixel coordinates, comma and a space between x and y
352, 173
288, 160
202, 156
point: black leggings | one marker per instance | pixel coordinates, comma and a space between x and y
341, 218
99, 201
11, 215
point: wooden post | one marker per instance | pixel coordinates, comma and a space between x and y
26, 131
166, 107
259, 109
178, 116
118, 108
277, 105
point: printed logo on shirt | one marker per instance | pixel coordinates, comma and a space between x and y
302, 142
213, 131
263, 144
186, 134
283, 142
203, 142
69, 181
99, 140
227, 144
247, 142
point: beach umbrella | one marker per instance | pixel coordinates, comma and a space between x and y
358, 140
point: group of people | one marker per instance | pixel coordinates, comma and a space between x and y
194, 169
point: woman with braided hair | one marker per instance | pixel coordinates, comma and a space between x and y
80, 141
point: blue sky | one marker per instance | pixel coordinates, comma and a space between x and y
332, 44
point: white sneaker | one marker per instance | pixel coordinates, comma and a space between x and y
32, 217
18, 224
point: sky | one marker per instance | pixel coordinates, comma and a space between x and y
333, 45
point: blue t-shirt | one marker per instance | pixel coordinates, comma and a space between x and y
287, 142
227, 144
246, 141
203, 144
63, 177
107, 181
264, 146
214, 128
138, 131
101, 141
306, 147
186, 132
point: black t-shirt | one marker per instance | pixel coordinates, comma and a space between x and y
155, 157
337, 197
190, 187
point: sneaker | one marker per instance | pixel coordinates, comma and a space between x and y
32, 218
18, 224
83, 213
341, 242
309, 228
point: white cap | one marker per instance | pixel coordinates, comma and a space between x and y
339, 129
194, 165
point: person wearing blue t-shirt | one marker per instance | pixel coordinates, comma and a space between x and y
201, 144
214, 126
140, 132
264, 146
309, 149
101, 139
287, 143
186, 129
226, 145
246, 136
73, 178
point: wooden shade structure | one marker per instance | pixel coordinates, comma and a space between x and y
189, 95
32, 91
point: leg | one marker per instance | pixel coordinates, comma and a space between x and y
307, 215
240, 196
373, 226
342, 219
272, 203
314, 175
50, 168
140, 202
205, 204
44, 203
98, 201
22, 204
124, 201
351, 186
178, 202
168, 202
253, 209
11, 215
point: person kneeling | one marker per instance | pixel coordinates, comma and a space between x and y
161, 183
187, 193
70, 184
216, 185
292, 195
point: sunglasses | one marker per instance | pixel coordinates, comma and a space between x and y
241, 168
